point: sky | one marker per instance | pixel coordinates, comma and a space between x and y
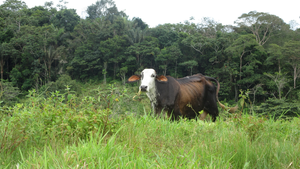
155, 12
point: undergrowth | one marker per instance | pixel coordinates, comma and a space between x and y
105, 128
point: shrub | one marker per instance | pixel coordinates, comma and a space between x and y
277, 108
63, 117
8, 93
60, 85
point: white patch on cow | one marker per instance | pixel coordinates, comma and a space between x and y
148, 79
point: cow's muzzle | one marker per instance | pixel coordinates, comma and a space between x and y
143, 88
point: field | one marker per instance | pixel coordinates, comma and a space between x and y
105, 128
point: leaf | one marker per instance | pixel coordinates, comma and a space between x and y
200, 112
70, 96
242, 102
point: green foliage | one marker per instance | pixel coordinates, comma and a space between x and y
8, 93
146, 142
62, 116
189, 64
276, 108
41, 43
103, 127
60, 85
66, 18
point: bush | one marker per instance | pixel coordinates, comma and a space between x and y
60, 85
277, 108
59, 117
8, 93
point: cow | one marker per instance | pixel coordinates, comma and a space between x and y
180, 97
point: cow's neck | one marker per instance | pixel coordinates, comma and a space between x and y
152, 95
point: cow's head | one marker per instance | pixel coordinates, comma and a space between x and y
148, 78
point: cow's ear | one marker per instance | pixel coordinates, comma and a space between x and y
134, 78
161, 78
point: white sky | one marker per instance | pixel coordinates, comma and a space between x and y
155, 12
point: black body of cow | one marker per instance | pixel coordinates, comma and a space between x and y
187, 96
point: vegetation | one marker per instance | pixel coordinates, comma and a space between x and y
90, 131
40, 44
62, 104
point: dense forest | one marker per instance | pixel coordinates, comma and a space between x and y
260, 54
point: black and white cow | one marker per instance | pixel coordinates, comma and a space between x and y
180, 97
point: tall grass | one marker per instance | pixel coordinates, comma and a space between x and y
37, 136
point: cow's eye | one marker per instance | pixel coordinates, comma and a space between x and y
152, 75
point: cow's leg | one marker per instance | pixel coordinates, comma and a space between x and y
203, 115
173, 114
153, 108
160, 112
157, 111
211, 108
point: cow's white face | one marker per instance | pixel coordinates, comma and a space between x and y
148, 80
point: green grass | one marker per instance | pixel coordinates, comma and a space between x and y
38, 136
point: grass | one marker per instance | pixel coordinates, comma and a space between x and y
134, 139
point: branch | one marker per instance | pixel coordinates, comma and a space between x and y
288, 92
197, 49
274, 95
262, 41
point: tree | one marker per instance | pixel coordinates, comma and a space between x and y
165, 37
138, 22
113, 50
291, 50
280, 81
122, 73
262, 25
5, 50
168, 55
13, 11
104, 8
148, 48
275, 54
39, 15
244, 49
190, 64
240, 47
66, 18
197, 42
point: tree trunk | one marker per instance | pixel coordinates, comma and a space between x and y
279, 93
279, 68
46, 72
2, 64
176, 69
295, 76
115, 65
235, 91
7, 76
124, 79
104, 72
137, 59
49, 72
241, 64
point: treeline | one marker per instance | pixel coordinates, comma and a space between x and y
39, 44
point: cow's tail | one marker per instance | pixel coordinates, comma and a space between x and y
229, 109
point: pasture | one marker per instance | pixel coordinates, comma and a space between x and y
105, 128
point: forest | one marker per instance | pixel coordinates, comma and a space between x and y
259, 56
65, 103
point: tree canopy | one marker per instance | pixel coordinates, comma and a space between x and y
40, 44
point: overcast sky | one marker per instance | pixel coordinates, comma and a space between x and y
155, 12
